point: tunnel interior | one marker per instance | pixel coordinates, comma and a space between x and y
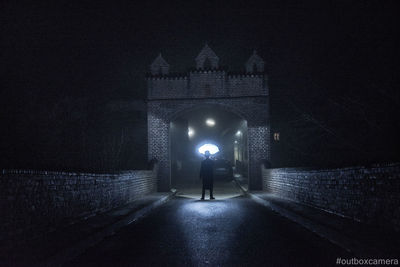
221, 132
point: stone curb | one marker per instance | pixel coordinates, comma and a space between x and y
72, 252
330, 234
244, 191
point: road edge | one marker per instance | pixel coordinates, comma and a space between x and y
325, 232
72, 252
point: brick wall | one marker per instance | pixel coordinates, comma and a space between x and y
32, 203
166, 87
248, 84
369, 195
206, 83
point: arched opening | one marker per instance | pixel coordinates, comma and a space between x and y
255, 69
218, 130
207, 64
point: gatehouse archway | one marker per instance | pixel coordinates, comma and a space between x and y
222, 132
242, 95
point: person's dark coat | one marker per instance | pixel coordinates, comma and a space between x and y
207, 173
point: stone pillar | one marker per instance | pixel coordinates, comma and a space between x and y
158, 148
259, 151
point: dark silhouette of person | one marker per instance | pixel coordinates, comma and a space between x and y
207, 174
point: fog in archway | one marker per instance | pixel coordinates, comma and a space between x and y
203, 126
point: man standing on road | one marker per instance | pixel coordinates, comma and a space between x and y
207, 175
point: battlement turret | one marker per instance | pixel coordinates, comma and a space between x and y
207, 79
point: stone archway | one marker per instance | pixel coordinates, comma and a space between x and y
208, 124
253, 109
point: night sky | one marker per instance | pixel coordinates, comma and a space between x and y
91, 47
314, 50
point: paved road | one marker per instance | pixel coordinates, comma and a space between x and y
227, 232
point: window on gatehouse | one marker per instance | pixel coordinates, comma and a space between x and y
276, 137
207, 64
254, 68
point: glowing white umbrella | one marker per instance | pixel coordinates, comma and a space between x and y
210, 147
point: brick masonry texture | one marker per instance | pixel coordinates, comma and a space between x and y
32, 203
207, 83
253, 109
364, 194
207, 53
244, 94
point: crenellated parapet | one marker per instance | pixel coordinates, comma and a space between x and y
207, 79
167, 86
247, 84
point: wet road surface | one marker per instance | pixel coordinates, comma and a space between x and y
227, 232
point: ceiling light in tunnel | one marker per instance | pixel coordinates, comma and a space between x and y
210, 147
190, 132
210, 122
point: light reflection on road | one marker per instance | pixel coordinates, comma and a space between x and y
203, 224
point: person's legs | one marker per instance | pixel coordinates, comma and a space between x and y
203, 192
211, 192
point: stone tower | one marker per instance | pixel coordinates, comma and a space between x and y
243, 93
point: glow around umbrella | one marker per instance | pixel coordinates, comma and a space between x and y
210, 147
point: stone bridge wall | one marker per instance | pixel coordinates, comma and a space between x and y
365, 194
33, 203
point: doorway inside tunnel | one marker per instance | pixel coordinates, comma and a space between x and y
219, 131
